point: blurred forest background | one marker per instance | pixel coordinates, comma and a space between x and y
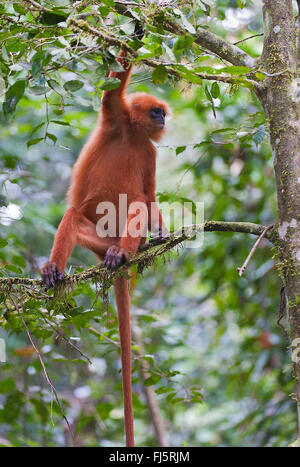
218, 362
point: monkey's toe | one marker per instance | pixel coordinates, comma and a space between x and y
51, 274
115, 257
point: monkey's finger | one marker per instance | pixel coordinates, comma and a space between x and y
46, 276
49, 280
59, 275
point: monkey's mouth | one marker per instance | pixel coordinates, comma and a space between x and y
160, 124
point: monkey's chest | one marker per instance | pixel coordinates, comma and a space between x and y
115, 190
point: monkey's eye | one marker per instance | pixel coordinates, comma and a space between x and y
157, 113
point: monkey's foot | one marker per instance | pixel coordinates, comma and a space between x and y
115, 257
51, 274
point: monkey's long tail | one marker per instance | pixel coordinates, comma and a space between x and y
123, 307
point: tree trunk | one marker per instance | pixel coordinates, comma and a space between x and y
280, 97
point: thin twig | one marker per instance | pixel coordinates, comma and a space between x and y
242, 269
272, 74
98, 333
68, 341
247, 38
38, 6
48, 379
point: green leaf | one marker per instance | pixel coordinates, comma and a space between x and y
60, 122
153, 379
13, 95
183, 43
10, 161
37, 63
36, 128
206, 8
209, 97
234, 70
52, 18
3, 243
109, 84
73, 85
108, 2
7, 385
13, 268
52, 137
19, 9
187, 25
215, 90
259, 135
189, 75
19, 261
34, 141
56, 87
180, 149
39, 90
224, 130
163, 390
203, 143
159, 74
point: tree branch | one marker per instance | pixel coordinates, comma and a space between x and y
147, 254
37, 6
111, 39
243, 268
204, 38
210, 41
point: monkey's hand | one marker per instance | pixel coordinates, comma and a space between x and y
122, 59
51, 274
115, 257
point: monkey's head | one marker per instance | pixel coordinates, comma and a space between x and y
148, 113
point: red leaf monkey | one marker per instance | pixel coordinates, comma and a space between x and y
118, 158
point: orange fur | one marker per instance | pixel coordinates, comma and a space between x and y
119, 157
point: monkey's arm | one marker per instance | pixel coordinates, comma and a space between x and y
156, 223
113, 102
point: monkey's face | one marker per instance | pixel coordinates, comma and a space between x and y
158, 114
148, 114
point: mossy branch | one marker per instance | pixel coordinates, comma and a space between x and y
109, 38
146, 254
204, 38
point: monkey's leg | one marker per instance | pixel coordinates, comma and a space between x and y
74, 229
131, 239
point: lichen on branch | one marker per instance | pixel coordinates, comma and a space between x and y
145, 256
